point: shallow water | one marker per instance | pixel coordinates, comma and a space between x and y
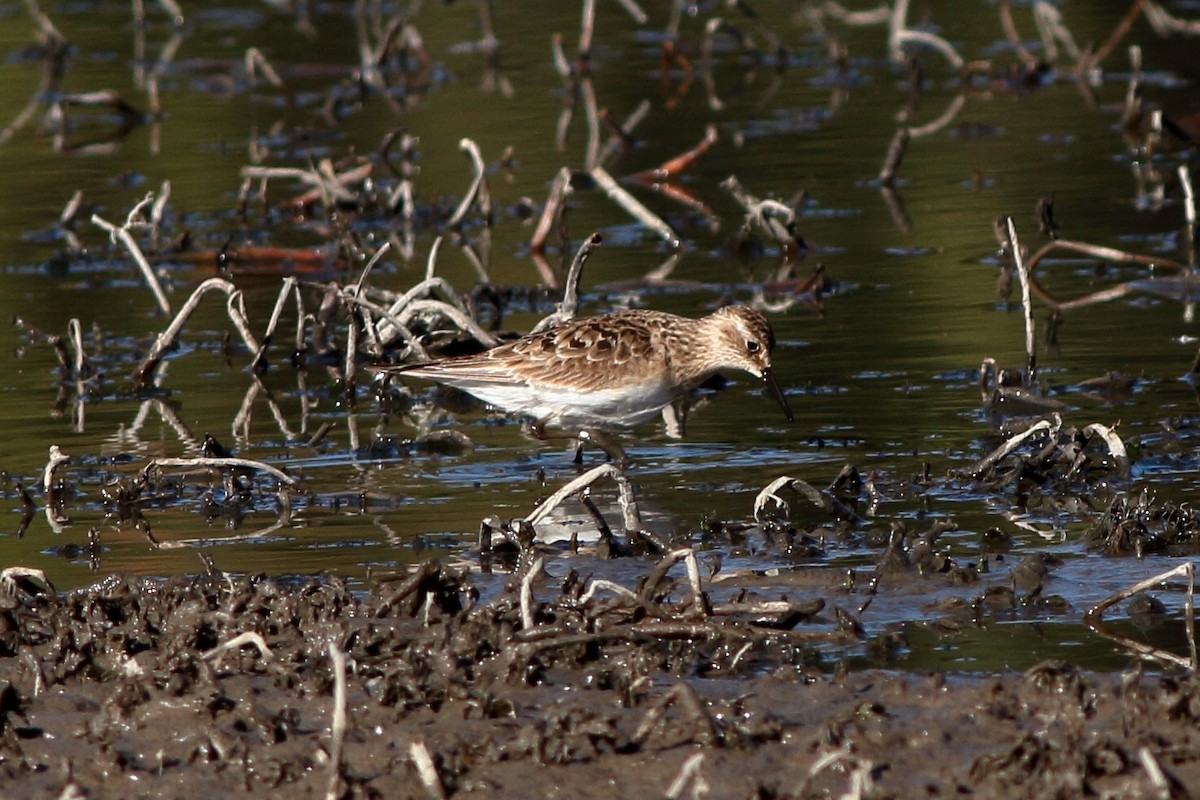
883, 376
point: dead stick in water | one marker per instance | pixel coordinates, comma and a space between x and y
123, 236
1026, 301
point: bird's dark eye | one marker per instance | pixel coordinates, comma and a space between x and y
752, 346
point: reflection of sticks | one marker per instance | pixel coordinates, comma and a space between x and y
895, 206
1094, 618
895, 155
942, 120
1014, 38
208, 463
622, 135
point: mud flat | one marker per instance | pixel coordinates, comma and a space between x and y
220, 687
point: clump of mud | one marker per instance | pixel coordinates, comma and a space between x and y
219, 687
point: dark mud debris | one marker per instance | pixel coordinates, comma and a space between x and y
130, 689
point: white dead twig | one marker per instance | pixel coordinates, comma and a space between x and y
628, 504
418, 753
478, 192
689, 775
234, 306
1013, 443
337, 728
900, 34
770, 494
1095, 616
632, 206
205, 463
531, 574
237, 642
57, 459
126, 239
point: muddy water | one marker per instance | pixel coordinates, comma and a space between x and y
882, 376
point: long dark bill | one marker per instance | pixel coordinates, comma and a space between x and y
777, 393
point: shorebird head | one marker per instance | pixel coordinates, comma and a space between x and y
745, 341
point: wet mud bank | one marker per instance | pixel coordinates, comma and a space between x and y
240, 687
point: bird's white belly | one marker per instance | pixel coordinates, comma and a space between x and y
622, 408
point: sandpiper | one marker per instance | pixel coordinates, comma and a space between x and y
612, 371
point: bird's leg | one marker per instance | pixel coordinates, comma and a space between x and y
537, 430
611, 447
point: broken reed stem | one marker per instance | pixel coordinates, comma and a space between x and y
256, 62
770, 493
75, 337
337, 732
123, 236
478, 192
570, 302
1116, 447
167, 337
1026, 301
375, 259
